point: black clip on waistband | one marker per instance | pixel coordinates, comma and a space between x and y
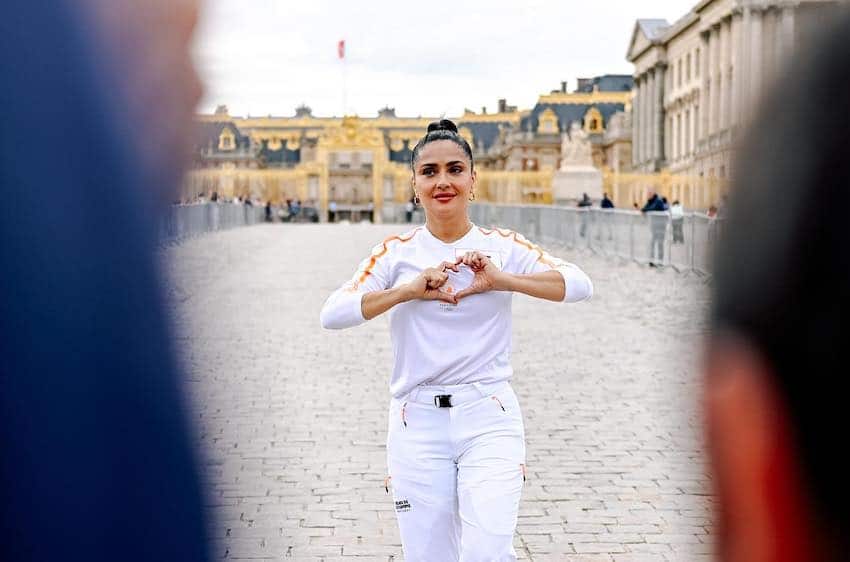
443, 401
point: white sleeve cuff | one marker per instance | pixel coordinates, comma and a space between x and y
576, 282
342, 310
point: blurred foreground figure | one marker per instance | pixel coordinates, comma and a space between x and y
96, 462
775, 362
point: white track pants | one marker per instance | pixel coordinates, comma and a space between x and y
457, 473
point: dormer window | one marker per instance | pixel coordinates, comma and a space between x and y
226, 140
274, 144
593, 121
548, 123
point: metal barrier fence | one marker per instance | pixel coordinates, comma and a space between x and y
186, 221
646, 238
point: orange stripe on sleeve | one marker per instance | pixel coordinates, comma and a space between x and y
523, 242
385, 248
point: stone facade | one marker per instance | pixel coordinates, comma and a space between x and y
697, 81
357, 161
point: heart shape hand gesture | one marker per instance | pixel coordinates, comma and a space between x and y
428, 285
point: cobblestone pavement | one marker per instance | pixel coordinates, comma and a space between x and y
292, 419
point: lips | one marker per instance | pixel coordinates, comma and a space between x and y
444, 197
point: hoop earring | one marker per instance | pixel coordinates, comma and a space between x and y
416, 200
472, 196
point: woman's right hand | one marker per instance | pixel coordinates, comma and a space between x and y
428, 285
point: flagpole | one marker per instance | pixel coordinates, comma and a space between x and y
340, 50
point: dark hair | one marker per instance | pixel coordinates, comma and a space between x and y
444, 129
782, 266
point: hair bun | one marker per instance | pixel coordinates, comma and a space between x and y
442, 125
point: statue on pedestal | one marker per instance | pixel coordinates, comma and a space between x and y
577, 177
575, 148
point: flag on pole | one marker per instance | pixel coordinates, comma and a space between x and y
340, 49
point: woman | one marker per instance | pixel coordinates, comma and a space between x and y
456, 444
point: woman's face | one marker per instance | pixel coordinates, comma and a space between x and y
443, 179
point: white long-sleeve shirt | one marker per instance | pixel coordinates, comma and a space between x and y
439, 343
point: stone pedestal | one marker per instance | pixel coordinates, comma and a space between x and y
571, 181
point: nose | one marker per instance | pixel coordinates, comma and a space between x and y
442, 179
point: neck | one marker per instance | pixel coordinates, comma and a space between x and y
448, 231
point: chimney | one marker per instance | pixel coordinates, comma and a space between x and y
503, 104
563, 86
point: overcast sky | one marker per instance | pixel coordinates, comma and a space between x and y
423, 57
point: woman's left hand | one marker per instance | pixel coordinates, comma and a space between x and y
487, 277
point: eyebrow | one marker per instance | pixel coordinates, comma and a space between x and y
452, 163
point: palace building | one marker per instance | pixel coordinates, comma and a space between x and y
696, 81
364, 162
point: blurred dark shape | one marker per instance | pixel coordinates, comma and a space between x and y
96, 459
781, 301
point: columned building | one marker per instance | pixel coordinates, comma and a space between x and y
697, 80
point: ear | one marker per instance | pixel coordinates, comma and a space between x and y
763, 514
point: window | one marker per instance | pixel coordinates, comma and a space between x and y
593, 121
696, 121
548, 122
696, 63
226, 140
679, 136
679, 73
688, 67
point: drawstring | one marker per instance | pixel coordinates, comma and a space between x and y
522, 467
404, 421
387, 483
500, 403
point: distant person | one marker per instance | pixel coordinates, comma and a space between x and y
268, 211
408, 210
456, 447
776, 424
677, 220
720, 211
97, 461
655, 206
332, 207
584, 205
606, 205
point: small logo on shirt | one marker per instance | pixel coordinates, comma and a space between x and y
402, 505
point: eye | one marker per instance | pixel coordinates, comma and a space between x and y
427, 172
456, 169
